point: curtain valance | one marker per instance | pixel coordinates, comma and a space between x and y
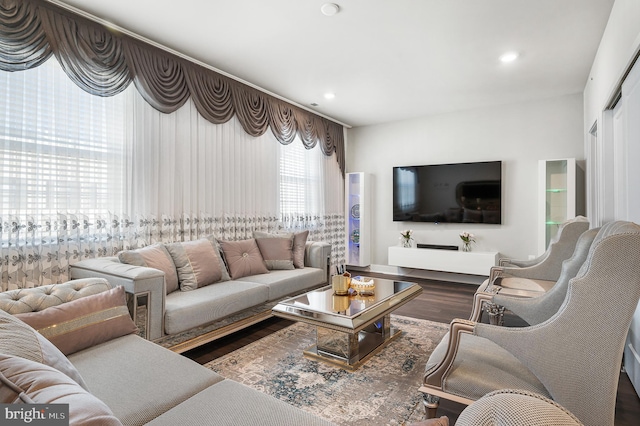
104, 64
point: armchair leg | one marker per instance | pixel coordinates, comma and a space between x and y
496, 314
431, 403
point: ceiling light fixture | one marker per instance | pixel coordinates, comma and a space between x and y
329, 9
509, 57
329, 95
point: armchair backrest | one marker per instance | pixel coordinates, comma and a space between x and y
560, 248
577, 353
538, 309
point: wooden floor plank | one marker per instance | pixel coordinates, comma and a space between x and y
440, 301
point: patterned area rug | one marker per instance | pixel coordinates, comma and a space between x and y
384, 391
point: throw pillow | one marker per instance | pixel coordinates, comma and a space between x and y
197, 262
243, 258
21, 340
25, 381
223, 266
276, 249
84, 322
299, 245
154, 256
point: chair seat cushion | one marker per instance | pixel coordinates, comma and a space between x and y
481, 367
527, 284
519, 287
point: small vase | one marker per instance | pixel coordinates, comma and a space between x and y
466, 246
406, 242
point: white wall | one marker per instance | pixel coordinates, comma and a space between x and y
519, 135
619, 44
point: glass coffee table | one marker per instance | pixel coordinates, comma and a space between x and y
349, 329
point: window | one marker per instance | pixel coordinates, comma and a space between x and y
301, 184
407, 183
61, 149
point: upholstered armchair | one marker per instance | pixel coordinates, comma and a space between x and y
508, 407
573, 358
560, 248
515, 294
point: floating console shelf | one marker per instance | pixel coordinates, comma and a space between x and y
472, 263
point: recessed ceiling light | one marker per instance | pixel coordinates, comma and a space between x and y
329, 95
329, 9
509, 57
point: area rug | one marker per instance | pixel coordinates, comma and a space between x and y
384, 391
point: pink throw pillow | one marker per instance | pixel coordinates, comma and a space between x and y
243, 258
84, 322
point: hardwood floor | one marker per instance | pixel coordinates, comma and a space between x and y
439, 301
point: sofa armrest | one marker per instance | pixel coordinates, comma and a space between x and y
136, 280
36, 299
318, 255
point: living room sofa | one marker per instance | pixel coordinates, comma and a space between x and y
184, 319
110, 375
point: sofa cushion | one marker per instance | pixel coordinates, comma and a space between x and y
26, 381
155, 256
276, 249
299, 244
284, 283
225, 404
187, 309
140, 380
84, 322
197, 262
21, 340
243, 258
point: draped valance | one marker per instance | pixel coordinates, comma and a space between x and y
104, 63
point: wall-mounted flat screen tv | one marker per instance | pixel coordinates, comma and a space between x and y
448, 193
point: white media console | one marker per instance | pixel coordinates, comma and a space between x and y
460, 262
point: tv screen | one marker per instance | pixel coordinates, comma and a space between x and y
451, 193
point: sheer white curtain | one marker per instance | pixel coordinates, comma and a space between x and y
188, 177
84, 176
60, 172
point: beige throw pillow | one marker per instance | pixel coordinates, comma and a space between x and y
243, 258
20, 339
23, 381
84, 322
153, 256
276, 249
197, 262
299, 246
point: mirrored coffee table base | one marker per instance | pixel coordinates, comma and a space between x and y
349, 331
351, 350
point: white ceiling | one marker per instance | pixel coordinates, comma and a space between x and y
385, 60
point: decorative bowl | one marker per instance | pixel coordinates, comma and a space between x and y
363, 285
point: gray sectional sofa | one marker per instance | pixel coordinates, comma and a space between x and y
117, 377
182, 320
